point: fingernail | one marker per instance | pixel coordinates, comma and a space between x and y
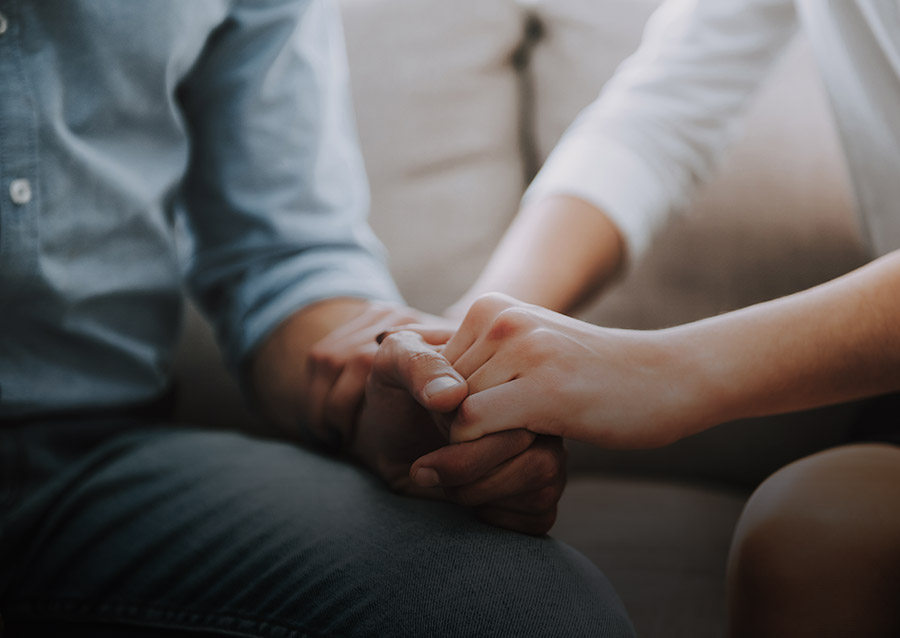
426, 477
438, 385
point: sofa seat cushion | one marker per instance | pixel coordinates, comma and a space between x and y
740, 453
663, 545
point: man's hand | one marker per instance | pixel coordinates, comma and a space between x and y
521, 492
513, 479
311, 371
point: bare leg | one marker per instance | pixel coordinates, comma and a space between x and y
817, 549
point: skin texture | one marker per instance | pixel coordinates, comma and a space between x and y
322, 367
816, 552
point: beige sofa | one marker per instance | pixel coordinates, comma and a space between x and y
457, 104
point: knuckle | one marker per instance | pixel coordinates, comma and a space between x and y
510, 322
423, 358
466, 413
545, 466
403, 346
391, 342
490, 304
324, 357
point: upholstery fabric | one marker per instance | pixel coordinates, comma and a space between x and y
579, 45
437, 105
663, 545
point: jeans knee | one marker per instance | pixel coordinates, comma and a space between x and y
540, 587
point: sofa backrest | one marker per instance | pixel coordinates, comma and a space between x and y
437, 106
449, 126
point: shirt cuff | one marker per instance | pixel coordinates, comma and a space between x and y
291, 284
613, 178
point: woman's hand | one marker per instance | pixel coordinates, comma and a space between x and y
529, 367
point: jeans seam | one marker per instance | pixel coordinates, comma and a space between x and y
142, 614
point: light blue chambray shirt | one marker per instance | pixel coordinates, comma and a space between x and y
121, 120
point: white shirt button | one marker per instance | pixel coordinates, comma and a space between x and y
20, 191
4, 24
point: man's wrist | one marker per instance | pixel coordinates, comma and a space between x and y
278, 370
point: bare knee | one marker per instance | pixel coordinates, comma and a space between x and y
817, 548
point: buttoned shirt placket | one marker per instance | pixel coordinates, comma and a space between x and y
19, 199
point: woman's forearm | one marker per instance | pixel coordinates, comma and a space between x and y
837, 342
557, 251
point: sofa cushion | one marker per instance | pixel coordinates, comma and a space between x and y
436, 99
664, 547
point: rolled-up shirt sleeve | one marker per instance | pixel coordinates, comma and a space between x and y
639, 151
275, 196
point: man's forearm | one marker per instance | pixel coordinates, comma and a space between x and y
557, 251
836, 342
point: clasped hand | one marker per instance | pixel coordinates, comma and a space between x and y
531, 368
392, 405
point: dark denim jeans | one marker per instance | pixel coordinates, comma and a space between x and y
130, 529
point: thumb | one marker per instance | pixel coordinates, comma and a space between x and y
404, 360
435, 335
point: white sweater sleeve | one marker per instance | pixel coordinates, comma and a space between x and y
640, 149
